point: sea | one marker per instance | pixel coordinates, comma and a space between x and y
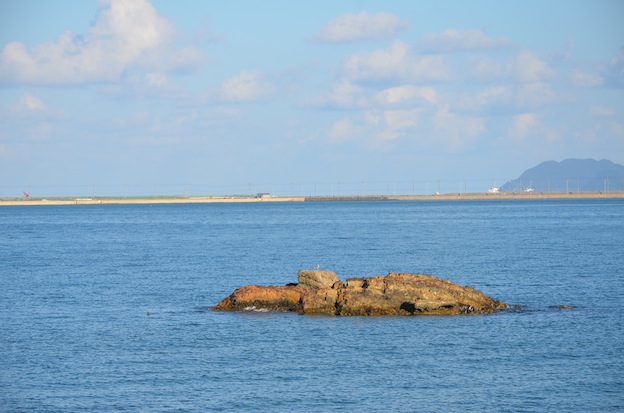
107, 308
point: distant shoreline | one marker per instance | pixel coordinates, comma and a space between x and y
525, 196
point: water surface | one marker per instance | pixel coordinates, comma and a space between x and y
77, 283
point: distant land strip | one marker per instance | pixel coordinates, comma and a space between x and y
527, 196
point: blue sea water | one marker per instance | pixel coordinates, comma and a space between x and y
77, 284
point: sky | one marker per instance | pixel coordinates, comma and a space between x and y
138, 97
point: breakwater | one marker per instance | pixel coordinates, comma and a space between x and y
527, 196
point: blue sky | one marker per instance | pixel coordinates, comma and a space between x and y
132, 97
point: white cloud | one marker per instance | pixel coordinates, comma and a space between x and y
523, 125
453, 40
483, 68
364, 26
616, 129
401, 119
599, 110
524, 67
342, 130
396, 62
349, 95
524, 96
584, 79
157, 79
489, 97
126, 34
457, 129
29, 102
244, 87
614, 74
375, 125
407, 93
211, 117
528, 68
527, 125
30, 106
141, 86
603, 133
533, 95
386, 125
344, 95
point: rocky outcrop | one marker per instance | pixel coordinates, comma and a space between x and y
321, 292
252, 297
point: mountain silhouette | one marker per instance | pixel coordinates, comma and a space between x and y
572, 175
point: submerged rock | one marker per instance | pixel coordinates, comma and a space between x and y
564, 307
321, 292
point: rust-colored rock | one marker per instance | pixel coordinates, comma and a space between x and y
251, 297
321, 292
316, 279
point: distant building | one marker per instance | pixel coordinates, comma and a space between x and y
263, 195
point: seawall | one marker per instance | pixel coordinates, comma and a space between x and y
523, 196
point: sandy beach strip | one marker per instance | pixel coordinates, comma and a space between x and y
146, 200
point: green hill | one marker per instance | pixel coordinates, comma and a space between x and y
570, 175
